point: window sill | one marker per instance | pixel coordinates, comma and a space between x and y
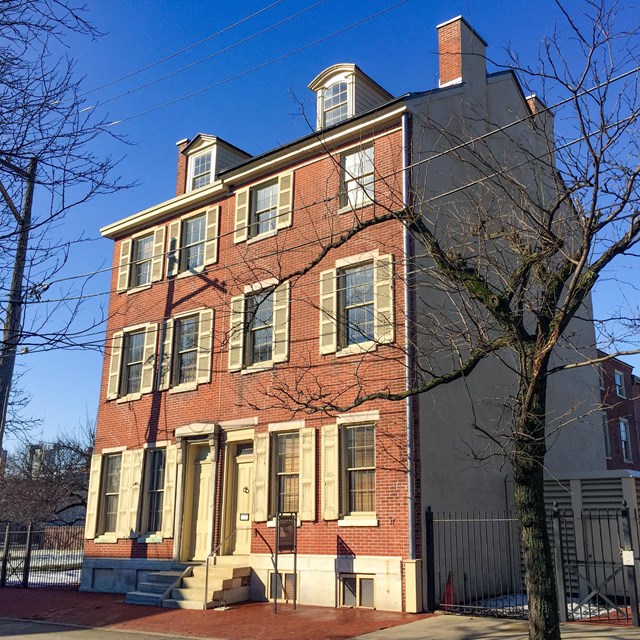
271, 524
106, 538
261, 236
189, 272
130, 398
150, 538
181, 388
256, 368
142, 287
358, 347
359, 521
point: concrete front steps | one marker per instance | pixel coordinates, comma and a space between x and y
152, 590
227, 585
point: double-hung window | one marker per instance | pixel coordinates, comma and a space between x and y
356, 304
264, 209
193, 242
335, 103
359, 469
287, 472
625, 442
619, 382
186, 350
132, 363
154, 490
141, 259
109, 493
201, 170
142, 256
259, 321
356, 185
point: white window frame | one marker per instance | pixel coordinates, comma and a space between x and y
178, 353
343, 308
185, 248
358, 578
253, 232
625, 440
275, 474
349, 513
177, 249
125, 364
283, 575
146, 499
618, 377
191, 178
134, 283
343, 103
126, 265
363, 183
102, 526
607, 440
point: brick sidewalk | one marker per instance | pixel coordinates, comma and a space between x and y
254, 621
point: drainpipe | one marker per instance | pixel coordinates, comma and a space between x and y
407, 246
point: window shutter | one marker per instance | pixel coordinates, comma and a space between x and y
330, 471
236, 332
134, 491
114, 365
307, 509
165, 362
173, 254
280, 350
124, 266
211, 237
149, 358
122, 526
285, 200
158, 254
168, 498
241, 228
205, 334
328, 312
93, 497
383, 299
261, 478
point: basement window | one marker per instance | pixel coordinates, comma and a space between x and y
357, 591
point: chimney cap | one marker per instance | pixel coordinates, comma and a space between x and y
461, 19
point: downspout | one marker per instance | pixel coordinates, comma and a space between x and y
407, 242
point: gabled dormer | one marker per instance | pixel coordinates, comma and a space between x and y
344, 91
201, 160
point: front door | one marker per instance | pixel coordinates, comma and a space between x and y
243, 498
196, 517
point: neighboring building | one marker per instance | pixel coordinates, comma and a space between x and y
620, 392
195, 452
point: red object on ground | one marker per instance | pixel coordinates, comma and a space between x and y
449, 596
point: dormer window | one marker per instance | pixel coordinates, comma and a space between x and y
335, 104
201, 172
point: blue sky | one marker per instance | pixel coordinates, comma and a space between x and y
252, 102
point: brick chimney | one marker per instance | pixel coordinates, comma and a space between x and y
461, 53
181, 176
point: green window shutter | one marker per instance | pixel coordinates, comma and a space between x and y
280, 350
173, 253
285, 200
149, 358
93, 497
261, 478
205, 335
122, 526
211, 237
330, 473
307, 508
157, 261
124, 265
236, 332
134, 492
383, 300
114, 365
165, 362
168, 499
328, 312
241, 227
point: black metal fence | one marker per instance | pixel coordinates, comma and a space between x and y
474, 564
48, 557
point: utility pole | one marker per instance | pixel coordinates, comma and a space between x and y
13, 319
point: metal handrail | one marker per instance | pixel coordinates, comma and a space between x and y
206, 569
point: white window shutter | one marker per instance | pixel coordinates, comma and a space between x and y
307, 508
173, 253
241, 227
328, 312
157, 261
114, 365
280, 350
93, 498
205, 335
122, 526
261, 477
383, 300
149, 358
211, 237
285, 200
236, 332
330, 473
124, 266
165, 363
134, 492
168, 499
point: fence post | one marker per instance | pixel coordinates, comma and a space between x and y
558, 558
5, 557
430, 562
630, 569
27, 560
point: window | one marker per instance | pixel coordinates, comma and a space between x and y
356, 590
600, 369
625, 443
619, 381
141, 259
359, 469
201, 167
154, 490
193, 242
276, 585
132, 364
287, 468
357, 178
335, 103
109, 493
263, 209
356, 304
186, 350
605, 431
259, 327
